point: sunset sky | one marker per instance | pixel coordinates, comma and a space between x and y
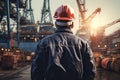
109, 11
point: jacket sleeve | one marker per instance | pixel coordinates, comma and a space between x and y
89, 68
38, 63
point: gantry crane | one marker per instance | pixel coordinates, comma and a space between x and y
27, 22
27, 16
46, 17
84, 28
46, 22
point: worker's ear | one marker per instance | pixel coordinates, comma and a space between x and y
72, 25
55, 23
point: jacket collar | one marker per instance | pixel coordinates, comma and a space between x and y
64, 30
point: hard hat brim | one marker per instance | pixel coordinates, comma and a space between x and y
63, 18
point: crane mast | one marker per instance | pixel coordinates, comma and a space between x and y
46, 18
82, 10
46, 23
28, 15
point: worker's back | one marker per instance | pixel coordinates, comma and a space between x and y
65, 56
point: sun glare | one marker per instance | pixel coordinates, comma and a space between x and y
95, 24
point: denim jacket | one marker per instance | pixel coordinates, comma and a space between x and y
69, 55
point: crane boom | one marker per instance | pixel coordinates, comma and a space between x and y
98, 10
100, 31
111, 23
82, 10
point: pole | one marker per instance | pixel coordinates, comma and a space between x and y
17, 6
8, 21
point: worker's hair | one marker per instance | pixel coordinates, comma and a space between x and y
63, 23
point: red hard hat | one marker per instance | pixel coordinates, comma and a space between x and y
64, 12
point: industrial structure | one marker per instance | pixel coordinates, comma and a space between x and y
85, 27
27, 32
99, 40
46, 22
27, 16
22, 14
106, 49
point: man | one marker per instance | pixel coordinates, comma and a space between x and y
62, 55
